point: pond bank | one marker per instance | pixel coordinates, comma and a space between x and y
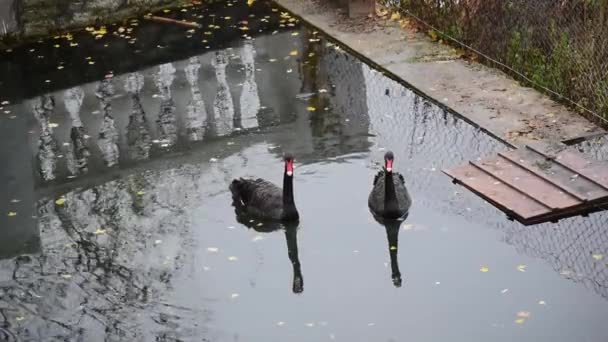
487, 97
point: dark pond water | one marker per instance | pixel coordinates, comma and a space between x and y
117, 222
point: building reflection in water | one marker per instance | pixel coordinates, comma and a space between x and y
138, 134
223, 106
108, 137
167, 125
250, 100
196, 114
77, 151
43, 107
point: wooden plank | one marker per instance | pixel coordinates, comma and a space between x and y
509, 200
528, 183
593, 171
557, 175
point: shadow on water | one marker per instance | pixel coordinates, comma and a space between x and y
392, 228
291, 237
116, 222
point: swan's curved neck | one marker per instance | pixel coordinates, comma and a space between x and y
390, 198
288, 191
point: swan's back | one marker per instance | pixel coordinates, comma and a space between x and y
376, 196
258, 197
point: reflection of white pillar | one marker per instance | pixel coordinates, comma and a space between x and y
195, 111
77, 152
138, 137
107, 140
250, 100
166, 122
223, 107
72, 99
43, 107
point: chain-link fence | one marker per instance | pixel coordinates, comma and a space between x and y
560, 47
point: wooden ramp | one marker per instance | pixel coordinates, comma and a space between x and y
533, 186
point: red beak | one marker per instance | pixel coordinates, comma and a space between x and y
389, 165
289, 167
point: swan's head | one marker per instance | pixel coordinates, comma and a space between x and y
289, 164
388, 161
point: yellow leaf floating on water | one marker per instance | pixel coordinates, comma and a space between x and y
233, 258
484, 269
250, 2
523, 314
234, 295
100, 231
520, 320
66, 276
597, 257
311, 109
408, 226
212, 249
60, 201
521, 268
141, 193
12, 214
19, 318
293, 53
393, 248
542, 302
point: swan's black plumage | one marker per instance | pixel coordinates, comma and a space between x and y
389, 197
261, 198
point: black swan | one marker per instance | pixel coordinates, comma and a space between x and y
389, 198
262, 199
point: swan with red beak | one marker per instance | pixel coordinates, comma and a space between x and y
263, 199
389, 198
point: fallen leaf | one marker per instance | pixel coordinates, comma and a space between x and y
60, 201
53, 125
19, 318
293, 53
311, 109
66, 276
212, 249
234, 295
158, 242
100, 231
280, 323
393, 248
484, 269
233, 258
12, 214
408, 226
597, 257
504, 291
520, 320
141, 193
523, 314
250, 2
521, 268
542, 302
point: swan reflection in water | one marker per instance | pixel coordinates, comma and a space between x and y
392, 235
291, 231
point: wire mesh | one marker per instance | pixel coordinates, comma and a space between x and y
558, 46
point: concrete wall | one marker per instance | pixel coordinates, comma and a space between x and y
39, 17
8, 18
